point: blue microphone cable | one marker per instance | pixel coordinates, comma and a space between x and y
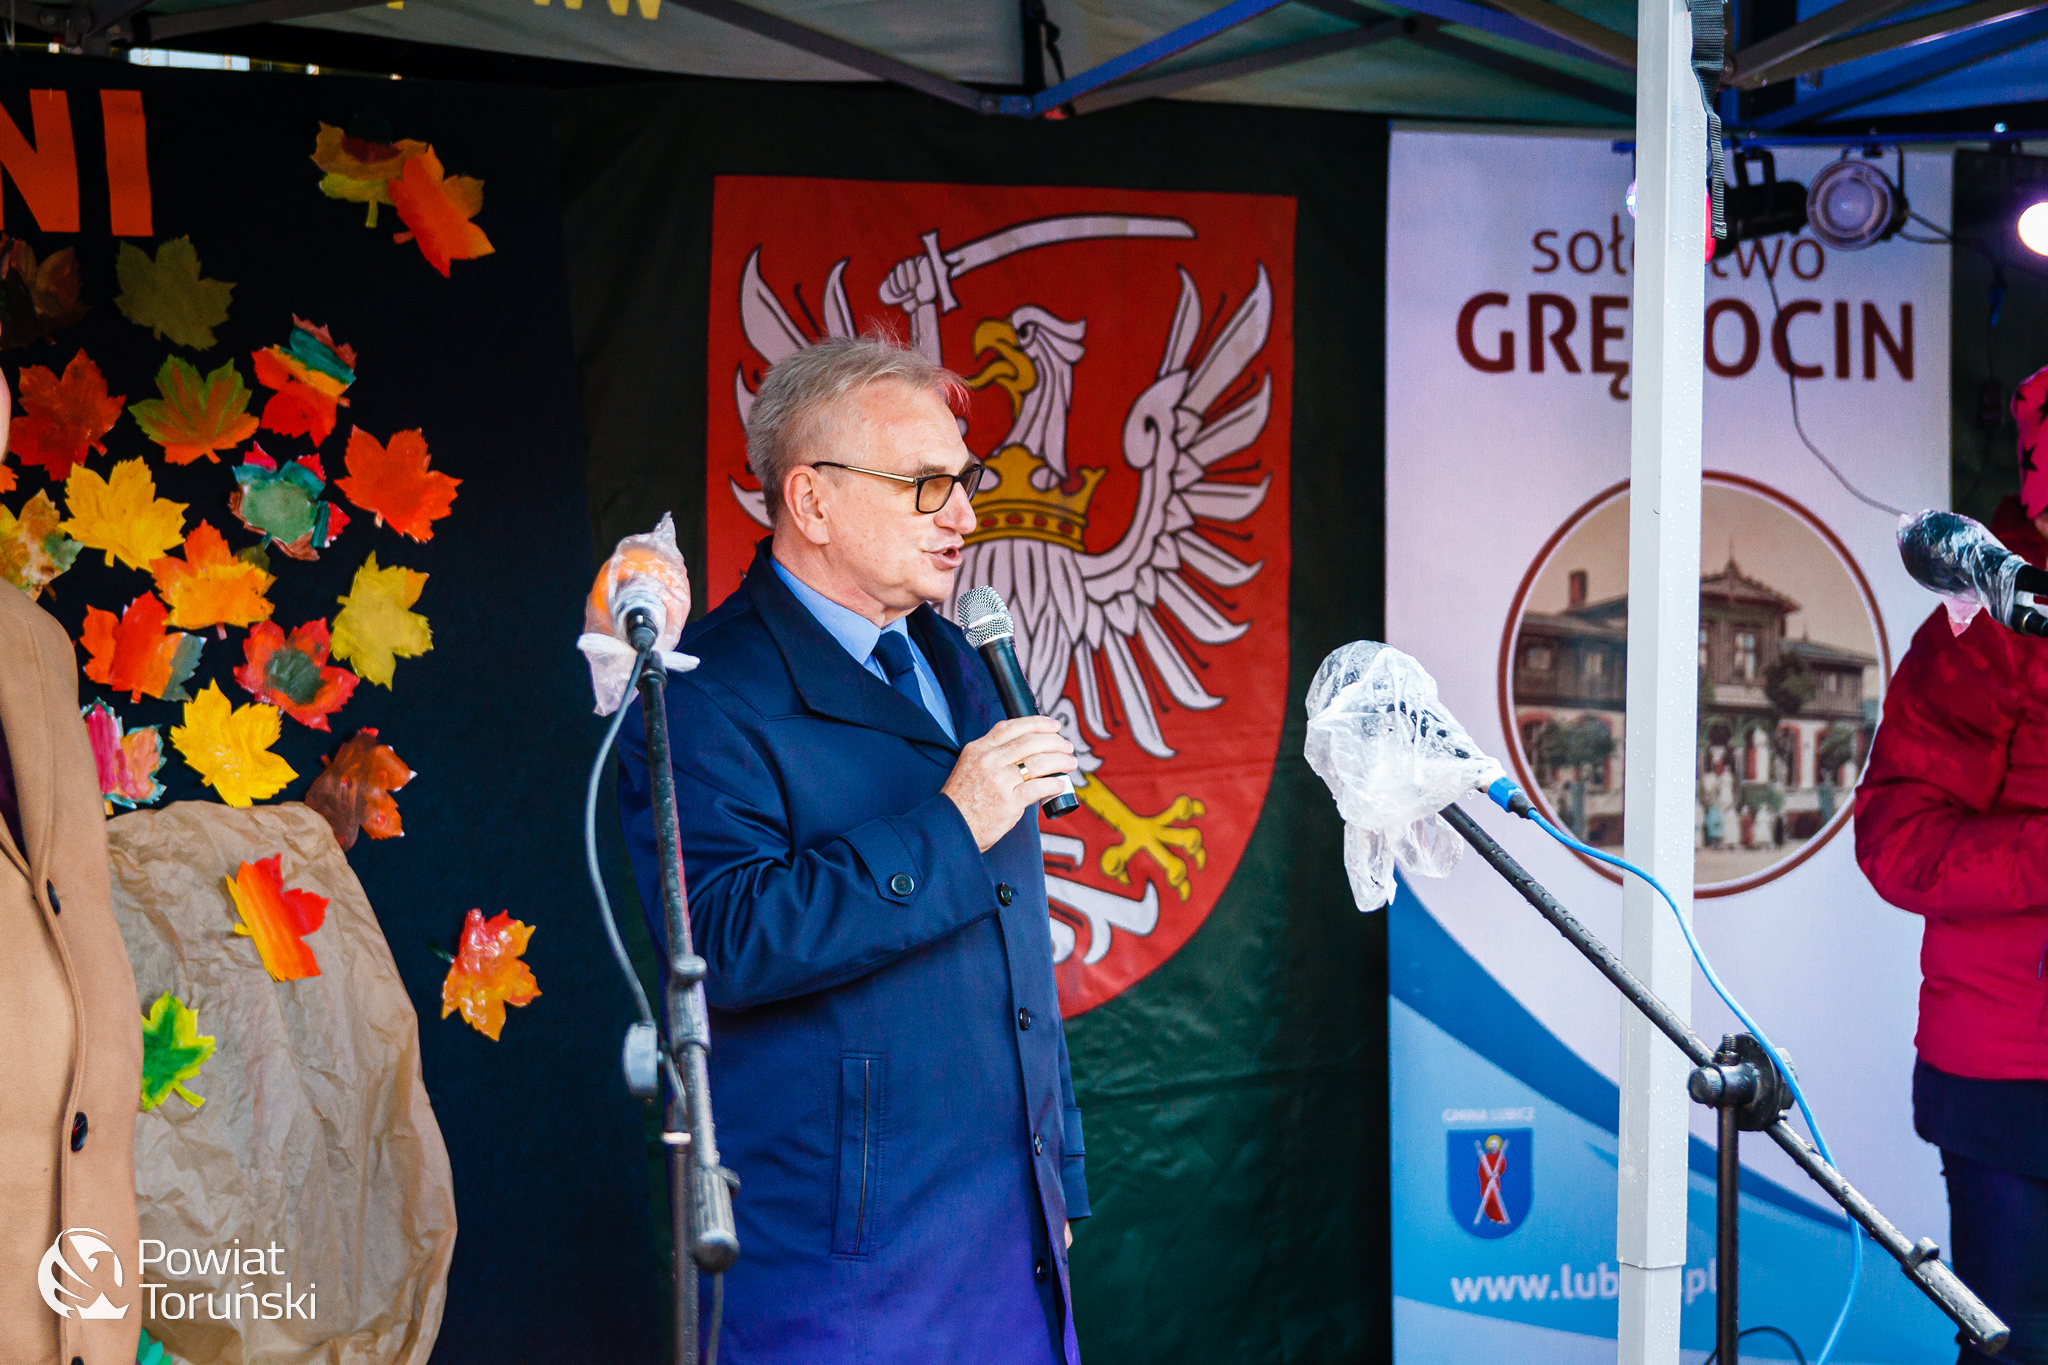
1503, 793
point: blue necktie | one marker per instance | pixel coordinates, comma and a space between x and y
892, 651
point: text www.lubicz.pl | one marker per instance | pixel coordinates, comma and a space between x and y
1602, 1282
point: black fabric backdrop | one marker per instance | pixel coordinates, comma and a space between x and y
1235, 1100
553, 1256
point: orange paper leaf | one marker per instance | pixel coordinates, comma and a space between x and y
355, 792
293, 674
487, 974
135, 655
61, 419
277, 917
437, 211
210, 586
394, 483
196, 416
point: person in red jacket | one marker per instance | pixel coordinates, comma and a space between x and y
1952, 825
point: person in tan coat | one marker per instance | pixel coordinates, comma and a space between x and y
70, 1030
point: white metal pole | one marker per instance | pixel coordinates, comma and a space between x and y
1663, 682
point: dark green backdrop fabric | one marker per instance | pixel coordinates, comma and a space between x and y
1235, 1099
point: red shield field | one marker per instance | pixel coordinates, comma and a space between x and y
1131, 357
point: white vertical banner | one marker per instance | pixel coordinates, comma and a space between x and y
1509, 327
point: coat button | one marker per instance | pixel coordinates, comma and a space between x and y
1024, 1019
903, 883
1004, 893
78, 1131
57, 906
1038, 1271
1037, 1142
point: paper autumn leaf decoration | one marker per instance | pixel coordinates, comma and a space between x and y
436, 211
122, 515
393, 483
355, 791
196, 416
292, 673
61, 419
32, 548
229, 747
173, 1050
211, 586
487, 974
310, 373
376, 626
167, 296
284, 506
36, 300
127, 763
135, 655
358, 170
278, 918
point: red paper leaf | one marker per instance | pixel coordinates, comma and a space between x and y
394, 484
293, 674
61, 419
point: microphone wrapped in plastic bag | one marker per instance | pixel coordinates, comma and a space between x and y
1393, 756
1971, 571
645, 575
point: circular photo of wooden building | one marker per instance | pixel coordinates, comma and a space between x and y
1792, 665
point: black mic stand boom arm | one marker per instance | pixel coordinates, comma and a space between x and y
1920, 1260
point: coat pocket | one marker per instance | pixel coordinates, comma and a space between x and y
860, 1124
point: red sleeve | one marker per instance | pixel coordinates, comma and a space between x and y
1926, 835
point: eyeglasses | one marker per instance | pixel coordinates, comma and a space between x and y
933, 490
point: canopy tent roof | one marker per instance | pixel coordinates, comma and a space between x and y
1534, 61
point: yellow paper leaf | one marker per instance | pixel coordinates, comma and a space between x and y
376, 626
122, 515
210, 586
229, 747
32, 548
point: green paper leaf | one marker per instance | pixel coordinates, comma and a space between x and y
168, 297
173, 1050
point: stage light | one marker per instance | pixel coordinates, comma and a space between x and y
2033, 227
1761, 210
1853, 205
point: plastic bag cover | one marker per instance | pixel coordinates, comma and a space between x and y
651, 565
1963, 563
1393, 757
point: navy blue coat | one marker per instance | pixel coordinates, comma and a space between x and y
889, 1075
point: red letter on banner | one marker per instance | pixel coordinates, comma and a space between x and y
127, 163
47, 173
1466, 316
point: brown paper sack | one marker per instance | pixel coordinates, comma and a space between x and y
316, 1138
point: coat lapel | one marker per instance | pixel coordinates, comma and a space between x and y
961, 676
26, 717
826, 676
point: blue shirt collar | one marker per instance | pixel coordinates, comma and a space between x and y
853, 631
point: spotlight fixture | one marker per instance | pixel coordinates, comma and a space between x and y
1761, 210
1853, 205
2033, 227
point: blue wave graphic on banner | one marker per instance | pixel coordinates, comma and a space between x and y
1537, 1280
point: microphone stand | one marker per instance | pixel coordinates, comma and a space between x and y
699, 1189
1739, 1081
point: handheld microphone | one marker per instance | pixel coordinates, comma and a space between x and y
1962, 562
636, 606
990, 630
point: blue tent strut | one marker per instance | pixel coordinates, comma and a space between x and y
1985, 42
1139, 57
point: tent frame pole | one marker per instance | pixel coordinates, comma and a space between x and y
1663, 683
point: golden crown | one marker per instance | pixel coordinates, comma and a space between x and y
1014, 506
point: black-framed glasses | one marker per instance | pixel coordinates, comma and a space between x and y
933, 490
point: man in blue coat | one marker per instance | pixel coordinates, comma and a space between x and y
888, 1070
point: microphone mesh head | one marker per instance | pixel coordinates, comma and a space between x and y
983, 616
